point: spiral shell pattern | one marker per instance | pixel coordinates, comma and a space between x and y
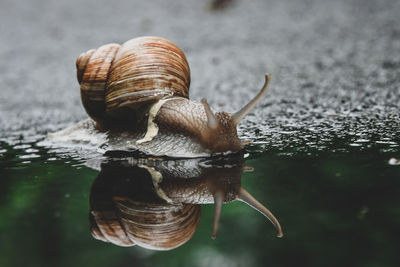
92, 73
149, 225
159, 227
140, 71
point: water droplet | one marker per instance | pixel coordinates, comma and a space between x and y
355, 144
394, 161
22, 146
29, 156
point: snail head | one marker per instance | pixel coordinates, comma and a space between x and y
222, 133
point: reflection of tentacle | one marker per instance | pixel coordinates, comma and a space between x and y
157, 179
252, 202
218, 201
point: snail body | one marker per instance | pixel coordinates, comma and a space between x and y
140, 90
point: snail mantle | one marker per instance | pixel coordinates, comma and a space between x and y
136, 95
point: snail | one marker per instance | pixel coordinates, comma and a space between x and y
156, 203
138, 93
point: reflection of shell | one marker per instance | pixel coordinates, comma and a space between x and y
106, 227
154, 226
158, 226
115, 77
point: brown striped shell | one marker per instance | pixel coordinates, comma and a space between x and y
116, 80
156, 226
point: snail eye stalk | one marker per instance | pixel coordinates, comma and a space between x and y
239, 115
212, 121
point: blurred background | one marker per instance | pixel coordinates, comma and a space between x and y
323, 136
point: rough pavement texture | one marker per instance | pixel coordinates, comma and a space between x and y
335, 65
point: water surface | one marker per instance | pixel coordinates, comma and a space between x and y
337, 206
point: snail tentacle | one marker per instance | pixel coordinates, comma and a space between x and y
239, 115
212, 121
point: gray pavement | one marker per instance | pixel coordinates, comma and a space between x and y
335, 65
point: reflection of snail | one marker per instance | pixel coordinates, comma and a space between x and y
147, 79
155, 204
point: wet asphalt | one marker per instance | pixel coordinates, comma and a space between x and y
335, 65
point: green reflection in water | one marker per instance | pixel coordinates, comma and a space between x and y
336, 208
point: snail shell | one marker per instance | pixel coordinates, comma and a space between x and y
115, 79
